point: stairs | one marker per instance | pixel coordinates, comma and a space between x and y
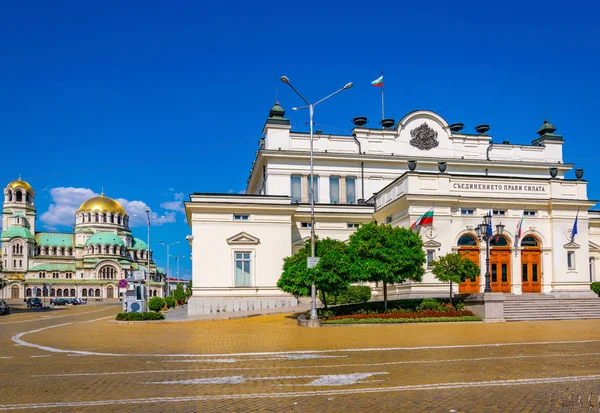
532, 307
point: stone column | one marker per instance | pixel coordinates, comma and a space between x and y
342, 189
304, 188
516, 271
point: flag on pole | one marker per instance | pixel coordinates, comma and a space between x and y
574, 230
490, 231
519, 229
378, 82
425, 219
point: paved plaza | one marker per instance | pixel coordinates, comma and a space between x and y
72, 359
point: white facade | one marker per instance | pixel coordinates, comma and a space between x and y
366, 176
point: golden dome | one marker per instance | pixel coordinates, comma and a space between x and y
102, 204
20, 184
15, 277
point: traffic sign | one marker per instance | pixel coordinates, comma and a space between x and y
312, 261
123, 283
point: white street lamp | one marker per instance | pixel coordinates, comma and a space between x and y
311, 108
168, 261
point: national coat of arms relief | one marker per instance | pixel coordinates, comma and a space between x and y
423, 137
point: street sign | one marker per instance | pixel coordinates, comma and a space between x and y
312, 261
123, 283
138, 275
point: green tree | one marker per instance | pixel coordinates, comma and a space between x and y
382, 253
188, 289
156, 304
454, 268
179, 294
331, 274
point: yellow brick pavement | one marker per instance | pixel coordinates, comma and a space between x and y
269, 364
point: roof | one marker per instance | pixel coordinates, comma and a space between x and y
16, 232
105, 238
102, 204
54, 267
54, 239
138, 244
19, 183
84, 231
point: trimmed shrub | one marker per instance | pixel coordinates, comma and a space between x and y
352, 295
140, 316
595, 287
430, 304
170, 301
156, 304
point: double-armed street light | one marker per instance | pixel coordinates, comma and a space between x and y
485, 233
311, 108
168, 259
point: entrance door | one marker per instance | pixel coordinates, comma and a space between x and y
469, 248
109, 292
531, 257
14, 292
500, 279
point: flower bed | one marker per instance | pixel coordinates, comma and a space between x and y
400, 320
405, 315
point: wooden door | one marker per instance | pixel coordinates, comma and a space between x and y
531, 277
469, 286
14, 292
500, 278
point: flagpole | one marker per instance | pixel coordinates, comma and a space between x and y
382, 99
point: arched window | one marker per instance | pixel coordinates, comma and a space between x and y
19, 196
498, 241
27, 198
52, 292
66, 292
529, 241
10, 195
39, 292
59, 293
28, 292
119, 219
467, 240
62, 251
73, 292
96, 218
54, 251
104, 217
84, 293
91, 292
46, 250
112, 219
97, 292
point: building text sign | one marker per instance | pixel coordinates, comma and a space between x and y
512, 188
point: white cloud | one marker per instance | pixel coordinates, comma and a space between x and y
176, 205
66, 200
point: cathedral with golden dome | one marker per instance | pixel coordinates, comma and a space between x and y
86, 263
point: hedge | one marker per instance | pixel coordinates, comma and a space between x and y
352, 295
156, 304
400, 320
595, 287
170, 301
139, 316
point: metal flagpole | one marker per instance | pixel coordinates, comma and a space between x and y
382, 100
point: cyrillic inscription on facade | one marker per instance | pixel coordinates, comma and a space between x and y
513, 188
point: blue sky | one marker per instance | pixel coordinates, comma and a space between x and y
156, 100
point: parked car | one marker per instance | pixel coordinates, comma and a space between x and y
59, 301
4, 308
34, 302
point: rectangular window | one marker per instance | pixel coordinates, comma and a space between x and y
316, 186
352, 225
430, 257
499, 212
529, 213
524, 271
351, 190
467, 211
494, 273
240, 217
242, 269
571, 260
534, 273
296, 188
306, 225
334, 189
504, 274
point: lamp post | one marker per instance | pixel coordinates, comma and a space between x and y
148, 285
484, 233
311, 109
168, 261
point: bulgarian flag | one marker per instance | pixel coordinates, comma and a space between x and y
425, 219
519, 229
378, 82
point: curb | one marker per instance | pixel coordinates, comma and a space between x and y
233, 317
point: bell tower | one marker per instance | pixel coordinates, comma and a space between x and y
19, 208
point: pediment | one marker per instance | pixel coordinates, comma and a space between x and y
571, 246
300, 242
594, 246
432, 244
243, 238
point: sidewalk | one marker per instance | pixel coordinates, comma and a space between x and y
180, 315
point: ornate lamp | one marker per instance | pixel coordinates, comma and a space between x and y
500, 228
487, 220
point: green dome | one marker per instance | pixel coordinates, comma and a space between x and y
105, 238
547, 127
276, 111
138, 244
